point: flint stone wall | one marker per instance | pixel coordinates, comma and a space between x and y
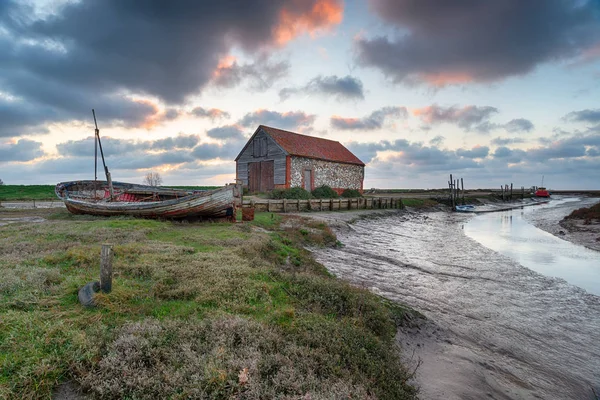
335, 175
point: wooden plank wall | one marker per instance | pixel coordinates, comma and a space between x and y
274, 152
359, 203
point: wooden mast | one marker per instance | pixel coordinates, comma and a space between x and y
108, 178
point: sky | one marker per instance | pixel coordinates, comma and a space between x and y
495, 92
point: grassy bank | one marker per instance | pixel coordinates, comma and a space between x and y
588, 214
197, 310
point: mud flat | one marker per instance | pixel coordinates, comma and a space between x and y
496, 329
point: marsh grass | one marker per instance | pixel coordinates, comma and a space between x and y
194, 308
419, 203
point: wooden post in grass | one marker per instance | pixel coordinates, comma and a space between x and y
284, 206
106, 260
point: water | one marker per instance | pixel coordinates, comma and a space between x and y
511, 234
511, 332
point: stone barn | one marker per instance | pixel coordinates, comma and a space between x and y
274, 158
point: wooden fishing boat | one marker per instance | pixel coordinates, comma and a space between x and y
110, 198
94, 197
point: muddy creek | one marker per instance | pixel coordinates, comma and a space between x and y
503, 330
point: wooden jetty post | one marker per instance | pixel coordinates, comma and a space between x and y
462, 186
106, 261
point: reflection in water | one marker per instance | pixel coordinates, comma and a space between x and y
510, 234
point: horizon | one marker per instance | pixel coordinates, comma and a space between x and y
495, 93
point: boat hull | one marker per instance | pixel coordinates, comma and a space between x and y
93, 198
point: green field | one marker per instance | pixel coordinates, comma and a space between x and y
26, 192
202, 310
46, 192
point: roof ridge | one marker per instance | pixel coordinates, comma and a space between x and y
299, 134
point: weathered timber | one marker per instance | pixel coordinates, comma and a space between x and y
94, 197
106, 268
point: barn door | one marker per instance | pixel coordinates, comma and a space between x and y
308, 179
267, 176
253, 177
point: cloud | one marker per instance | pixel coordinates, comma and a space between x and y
106, 54
518, 125
446, 43
128, 154
295, 20
345, 88
227, 132
504, 141
294, 120
475, 152
22, 150
466, 117
114, 147
259, 75
470, 118
437, 141
212, 113
371, 122
589, 115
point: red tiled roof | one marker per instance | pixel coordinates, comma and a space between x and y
311, 147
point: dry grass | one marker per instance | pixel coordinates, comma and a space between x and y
197, 310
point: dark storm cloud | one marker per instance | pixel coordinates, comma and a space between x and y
88, 53
212, 113
297, 120
23, 150
346, 88
454, 42
371, 122
592, 116
227, 132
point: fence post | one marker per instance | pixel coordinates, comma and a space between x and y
106, 260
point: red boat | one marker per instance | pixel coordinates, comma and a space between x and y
542, 192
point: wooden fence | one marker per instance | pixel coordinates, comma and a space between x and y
358, 203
